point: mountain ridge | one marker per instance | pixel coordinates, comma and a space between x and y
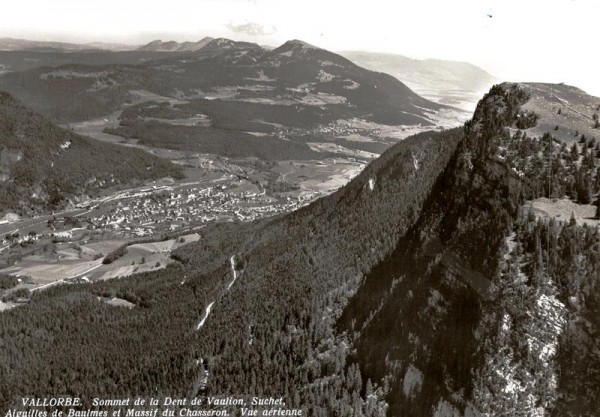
291, 103
14, 44
369, 301
173, 46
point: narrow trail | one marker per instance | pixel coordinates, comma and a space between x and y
568, 106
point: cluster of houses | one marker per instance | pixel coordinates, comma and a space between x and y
174, 209
155, 211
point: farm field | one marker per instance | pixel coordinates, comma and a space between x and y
562, 209
319, 176
39, 272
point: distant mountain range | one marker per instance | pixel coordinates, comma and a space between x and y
295, 75
453, 83
11, 44
172, 46
278, 102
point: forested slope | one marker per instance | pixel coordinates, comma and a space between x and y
291, 269
423, 287
41, 165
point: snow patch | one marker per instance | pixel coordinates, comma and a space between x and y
413, 379
371, 184
506, 322
233, 271
416, 163
206, 313
66, 144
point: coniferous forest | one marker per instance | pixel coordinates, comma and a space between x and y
422, 287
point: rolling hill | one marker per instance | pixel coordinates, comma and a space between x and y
42, 166
296, 101
565, 111
295, 75
453, 83
424, 287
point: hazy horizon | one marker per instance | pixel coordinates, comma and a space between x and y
512, 40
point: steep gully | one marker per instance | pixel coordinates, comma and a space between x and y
209, 307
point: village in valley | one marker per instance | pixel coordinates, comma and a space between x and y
150, 221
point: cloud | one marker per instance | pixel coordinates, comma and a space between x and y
252, 29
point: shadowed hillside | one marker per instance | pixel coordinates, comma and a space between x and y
42, 165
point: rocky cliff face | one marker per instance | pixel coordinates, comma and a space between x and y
469, 314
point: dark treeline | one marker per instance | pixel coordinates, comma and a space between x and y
231, 143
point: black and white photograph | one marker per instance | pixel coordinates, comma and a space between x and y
299, 208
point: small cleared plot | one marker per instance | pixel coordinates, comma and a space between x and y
150, 248
321, 177
120, 302
561, 209
142, 257
565, 112
141, 96
104, 247
202, 120
68, 254
357, 138
322, 99
222, 93
342, 150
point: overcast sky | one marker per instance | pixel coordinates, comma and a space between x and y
527, 40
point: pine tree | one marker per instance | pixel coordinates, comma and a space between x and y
572, 220
583, 187
574, 153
